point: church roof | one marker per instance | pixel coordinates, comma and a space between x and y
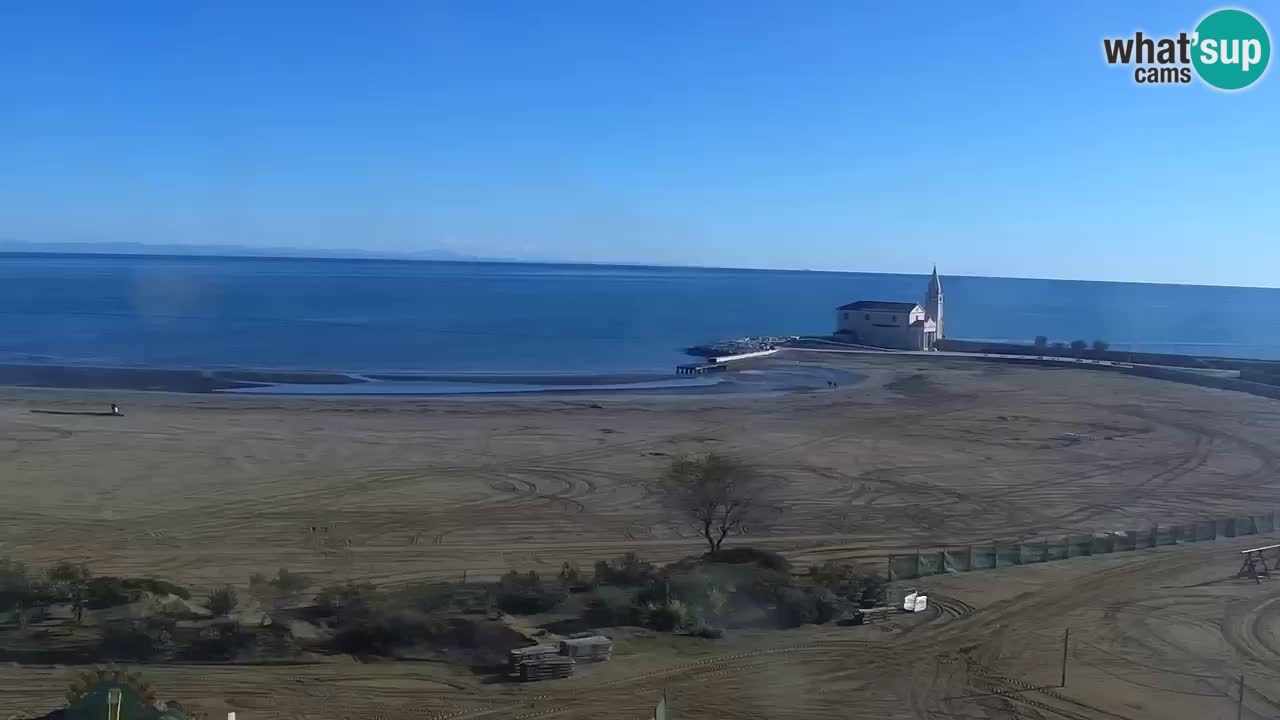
903, 307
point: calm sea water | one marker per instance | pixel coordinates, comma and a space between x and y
511, 318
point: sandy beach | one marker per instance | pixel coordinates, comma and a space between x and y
206, 489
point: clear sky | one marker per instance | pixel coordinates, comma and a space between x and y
989, 137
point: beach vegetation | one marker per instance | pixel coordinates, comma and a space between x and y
527, 594
223, 600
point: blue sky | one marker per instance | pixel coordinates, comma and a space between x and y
990, 138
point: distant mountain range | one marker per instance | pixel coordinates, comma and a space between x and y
137, 248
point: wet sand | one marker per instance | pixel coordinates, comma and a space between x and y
758, 378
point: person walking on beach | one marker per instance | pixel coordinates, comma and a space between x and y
115, 409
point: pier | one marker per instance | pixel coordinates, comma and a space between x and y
720, 364
700, 368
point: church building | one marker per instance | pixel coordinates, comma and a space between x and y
897, 325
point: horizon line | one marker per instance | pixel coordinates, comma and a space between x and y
174, 251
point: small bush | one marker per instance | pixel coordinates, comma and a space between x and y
795, 608
867, 590
828, 606
526, 595
665, 618
107, 591
349, 598
290, 583
222, 641
278, 641
1042, 341
1079, 345
138, 640
17, 588
709, 632
381, 632
766, 559
570, 576
627, 571
1100, 345
436, 597
611, 607
156, 587
223, 600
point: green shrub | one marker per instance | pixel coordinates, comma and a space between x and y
348, 599
106, 591
381, 632
18, 589
766, 559
627, 571
221, 641
828, 606
437, 597
569, 575
138, 640
865, 589
611, 607
223, 600
285, 588
663, 618
526, 594
156, 587
795, 608
709, 632
290, 583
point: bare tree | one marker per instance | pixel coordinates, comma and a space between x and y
721, 495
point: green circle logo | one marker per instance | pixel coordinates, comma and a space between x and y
1232, 49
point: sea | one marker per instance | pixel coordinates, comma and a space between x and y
361, 316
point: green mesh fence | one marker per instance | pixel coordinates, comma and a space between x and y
1265, 523
1207, 530
983, 557
1103, 544
1009, 554
1035, 552
1058, 549
956, 559
1081, 545
931, 563
903, 567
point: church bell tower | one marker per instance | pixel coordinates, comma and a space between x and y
933, 301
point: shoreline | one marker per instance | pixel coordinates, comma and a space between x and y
746, 377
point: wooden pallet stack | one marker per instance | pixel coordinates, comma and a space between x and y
546, 668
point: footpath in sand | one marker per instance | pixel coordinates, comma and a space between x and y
205, 490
